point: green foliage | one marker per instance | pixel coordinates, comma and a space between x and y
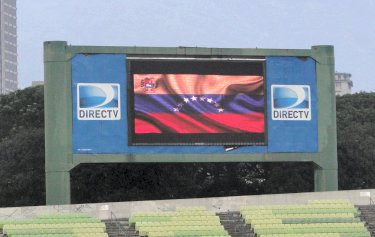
22, 148
131, 182
118, 182
21, 109
22, 163
356, 140
288, 178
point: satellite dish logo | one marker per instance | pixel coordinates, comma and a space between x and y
291, 102
98, 101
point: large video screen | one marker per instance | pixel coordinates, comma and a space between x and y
196, 102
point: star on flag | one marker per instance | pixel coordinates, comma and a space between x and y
202, 99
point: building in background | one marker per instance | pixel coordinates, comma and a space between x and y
37, 83
343, 83
8, 46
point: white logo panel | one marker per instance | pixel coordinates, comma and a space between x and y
291, 102
98, 101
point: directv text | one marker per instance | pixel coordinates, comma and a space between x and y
291, 114
98, 114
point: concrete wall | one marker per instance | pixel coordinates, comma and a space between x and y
222, 204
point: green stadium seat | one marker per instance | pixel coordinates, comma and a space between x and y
330, 218
185, 221
56, 225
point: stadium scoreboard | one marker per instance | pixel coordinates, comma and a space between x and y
149, 104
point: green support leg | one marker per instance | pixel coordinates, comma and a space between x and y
58, 123
58, 187
325, 179
325, 173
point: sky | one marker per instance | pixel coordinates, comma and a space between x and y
294, 24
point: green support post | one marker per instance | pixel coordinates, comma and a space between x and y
325, 175
325, 179
58, 116
58, 187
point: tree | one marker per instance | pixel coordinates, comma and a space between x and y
22, 163
22, 148
356, 140
21, 109
130, 182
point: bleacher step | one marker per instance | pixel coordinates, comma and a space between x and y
234, 224
114, 231
368, 215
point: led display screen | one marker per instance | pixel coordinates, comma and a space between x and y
196, 102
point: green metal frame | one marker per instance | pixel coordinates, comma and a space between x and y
58, 116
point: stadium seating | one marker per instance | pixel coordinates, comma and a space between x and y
317, 218
56, 225
184, 222
328, 218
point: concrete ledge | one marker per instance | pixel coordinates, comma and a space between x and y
218, 204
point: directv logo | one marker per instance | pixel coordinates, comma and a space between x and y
98, 101
291, 102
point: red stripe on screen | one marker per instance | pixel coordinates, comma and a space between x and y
199, 123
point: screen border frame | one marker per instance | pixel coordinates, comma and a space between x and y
131, 110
